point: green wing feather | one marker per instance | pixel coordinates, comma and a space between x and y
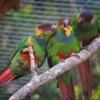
18, 47
38, 50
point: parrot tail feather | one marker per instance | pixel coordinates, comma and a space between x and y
6, 76
66, 91
86, 78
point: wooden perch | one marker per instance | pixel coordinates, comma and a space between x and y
60, 68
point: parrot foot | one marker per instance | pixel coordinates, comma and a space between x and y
62, 60
75, 55
86, 48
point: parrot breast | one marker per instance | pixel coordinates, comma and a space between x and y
26, 57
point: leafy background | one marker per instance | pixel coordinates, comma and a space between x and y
16, 24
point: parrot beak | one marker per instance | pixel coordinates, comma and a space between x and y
80, 20
68, 30
92, 21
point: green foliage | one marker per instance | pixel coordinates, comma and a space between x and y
24, 12
96, 95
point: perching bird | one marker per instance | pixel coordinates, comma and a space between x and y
19, 64
86, 28
62, 43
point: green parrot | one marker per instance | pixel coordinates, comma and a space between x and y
62, 44
19, 64
86, 28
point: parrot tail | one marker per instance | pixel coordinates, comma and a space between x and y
6, 76
66, 91
86, 78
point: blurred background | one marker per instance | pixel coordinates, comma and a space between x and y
20, 21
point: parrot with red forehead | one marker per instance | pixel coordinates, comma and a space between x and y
62, 43
19, 64
86, 28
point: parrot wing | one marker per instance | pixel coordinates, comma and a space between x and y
17, 48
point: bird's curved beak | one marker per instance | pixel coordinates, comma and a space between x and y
68, 30
80, 20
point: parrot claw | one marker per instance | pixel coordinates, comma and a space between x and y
75, 55
85, 48
62, 60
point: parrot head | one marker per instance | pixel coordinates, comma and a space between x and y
85, 17
64, 26
45, 30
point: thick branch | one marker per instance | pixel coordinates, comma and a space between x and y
52, 73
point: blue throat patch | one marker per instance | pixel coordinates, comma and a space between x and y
63, 38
